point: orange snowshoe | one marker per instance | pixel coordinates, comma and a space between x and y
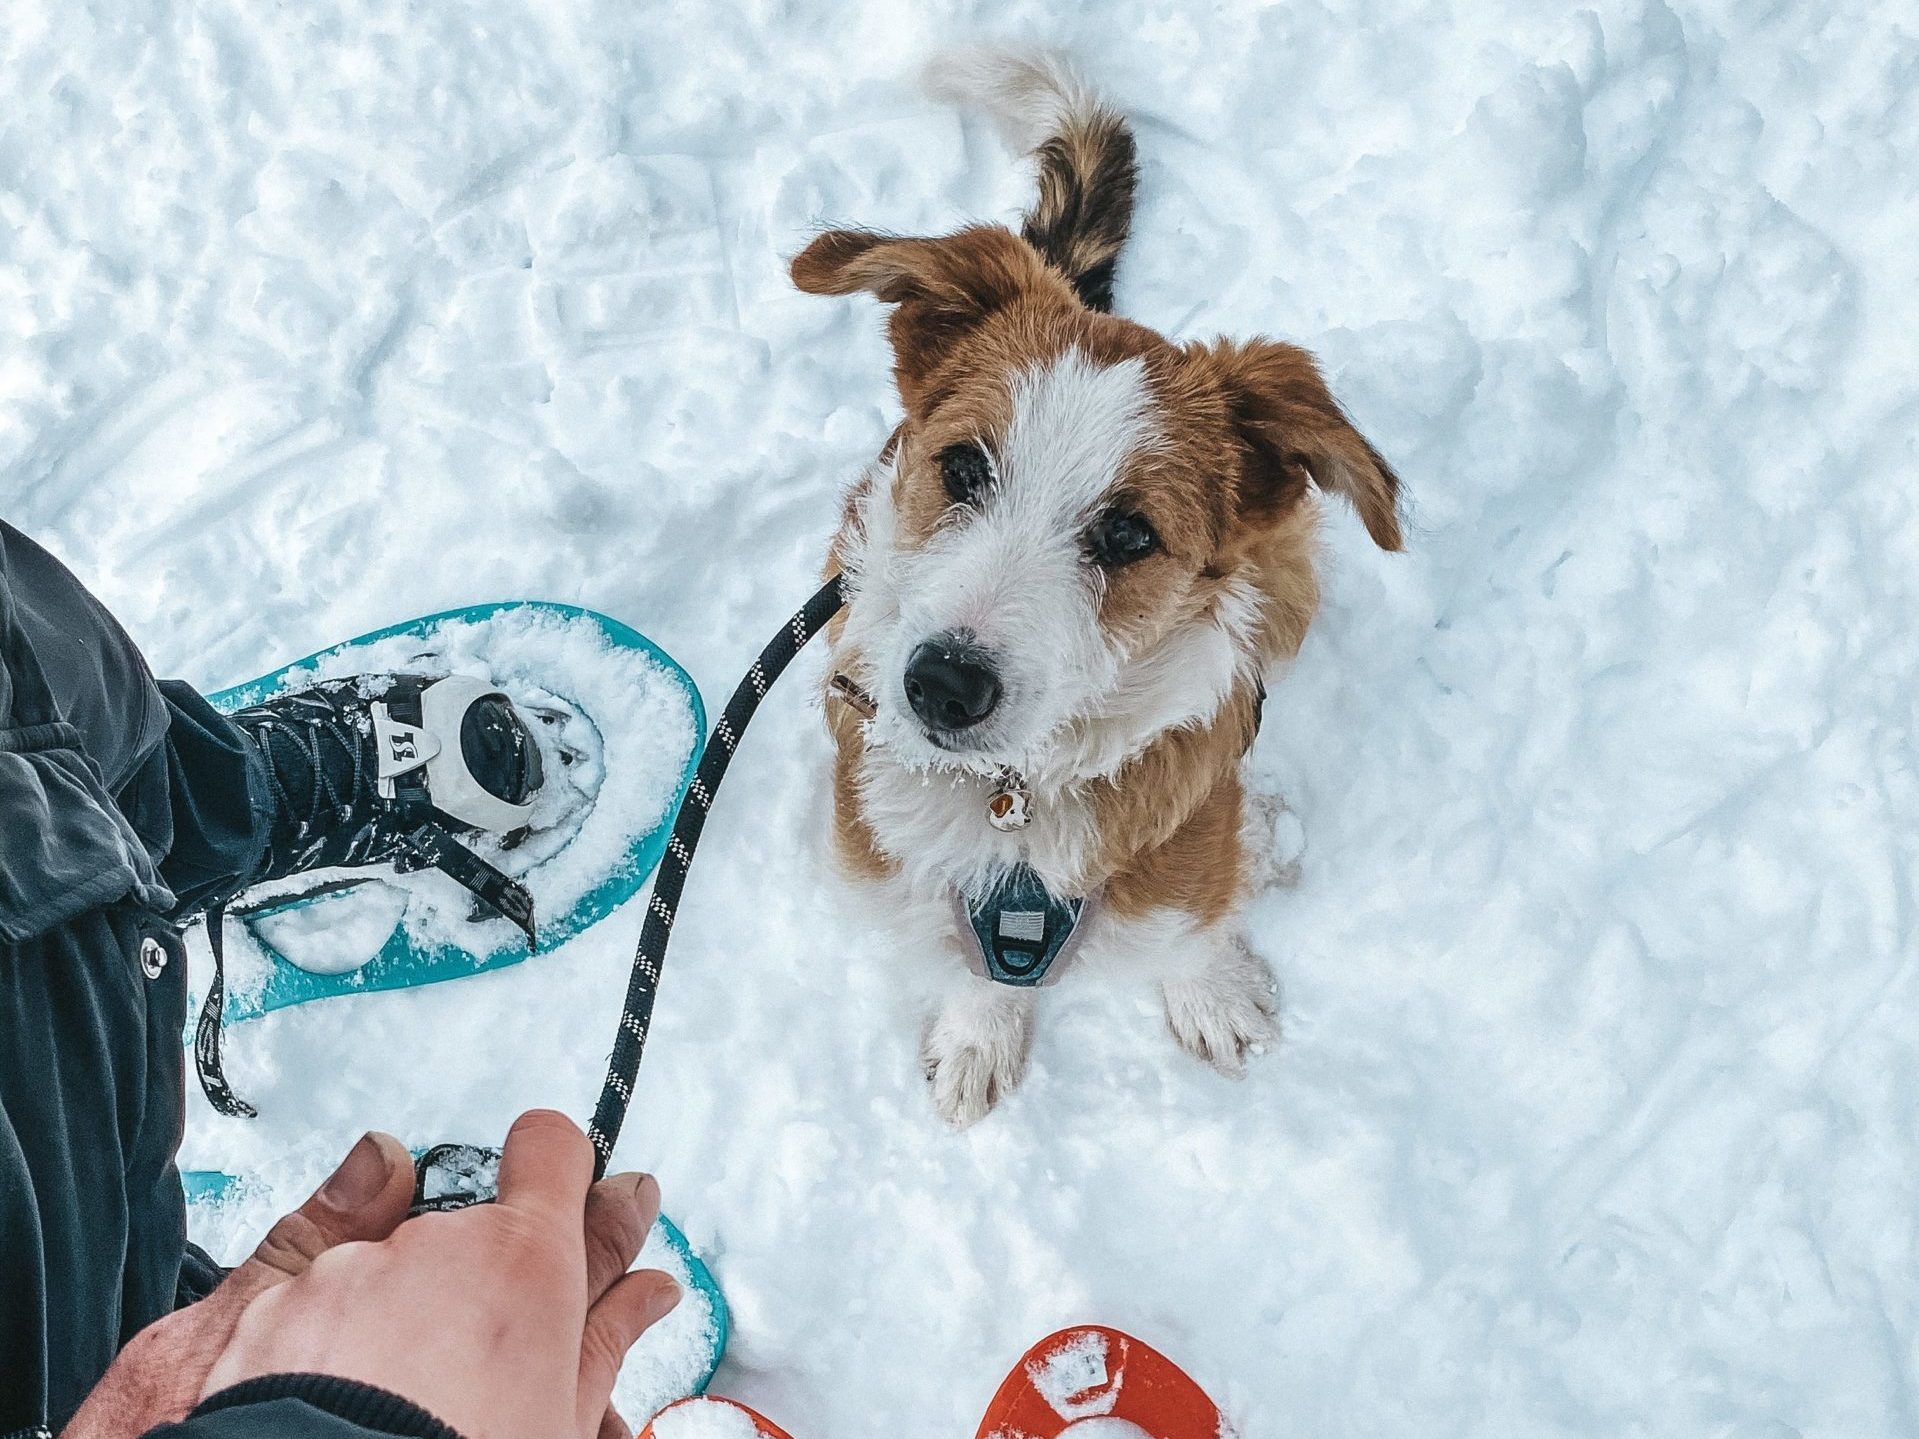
1097, 1373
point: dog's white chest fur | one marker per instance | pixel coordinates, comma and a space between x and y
936, 824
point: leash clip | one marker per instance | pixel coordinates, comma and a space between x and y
455, 1176
857, 699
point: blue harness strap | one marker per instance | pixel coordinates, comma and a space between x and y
1022, 933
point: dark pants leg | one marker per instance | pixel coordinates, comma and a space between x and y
123, 804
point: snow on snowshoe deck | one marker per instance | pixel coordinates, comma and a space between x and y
625, 722
698, 1418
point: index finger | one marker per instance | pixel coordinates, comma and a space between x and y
546, 1166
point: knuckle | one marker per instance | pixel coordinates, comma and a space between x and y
519, 1241
602, 1347
292, 1244
613, 1235
606, 1254
427, 1236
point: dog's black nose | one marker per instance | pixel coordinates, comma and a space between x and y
950, 683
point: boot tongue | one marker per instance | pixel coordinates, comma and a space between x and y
498, 751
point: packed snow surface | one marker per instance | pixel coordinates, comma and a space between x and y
1595, 1113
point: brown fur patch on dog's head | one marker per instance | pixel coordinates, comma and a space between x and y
1087, 420
1293, 429
1280, 418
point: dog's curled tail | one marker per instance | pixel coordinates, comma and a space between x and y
1088, 165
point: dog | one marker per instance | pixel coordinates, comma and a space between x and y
1068, 574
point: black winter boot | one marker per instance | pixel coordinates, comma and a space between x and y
357, 765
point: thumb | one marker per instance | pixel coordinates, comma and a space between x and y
365, 1198
634, 1304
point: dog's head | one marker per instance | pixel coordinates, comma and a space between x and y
1083, 519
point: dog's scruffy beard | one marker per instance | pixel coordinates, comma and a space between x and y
1077, 706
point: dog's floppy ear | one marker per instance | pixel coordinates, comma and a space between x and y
1293, 429
943, 288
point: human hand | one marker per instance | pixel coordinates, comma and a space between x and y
158, 1377
505, 1321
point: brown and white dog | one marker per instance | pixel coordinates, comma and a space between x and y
1069, 572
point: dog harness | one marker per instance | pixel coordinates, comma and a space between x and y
1020, 932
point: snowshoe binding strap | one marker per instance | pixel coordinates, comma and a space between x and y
493, 888
636, 1015
454, 1176
206, 1033
428, 736
430, 845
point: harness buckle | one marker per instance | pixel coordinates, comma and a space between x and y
1021, 933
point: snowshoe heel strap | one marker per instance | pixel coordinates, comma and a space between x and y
501, 892
432, 845
206, 1033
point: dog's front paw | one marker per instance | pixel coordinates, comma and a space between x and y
974, 1053
1226, 1011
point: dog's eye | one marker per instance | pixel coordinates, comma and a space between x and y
965, 471
1119, 537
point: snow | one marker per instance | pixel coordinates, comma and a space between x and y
1595, 1110
672, 1357
332, 934
706, 1419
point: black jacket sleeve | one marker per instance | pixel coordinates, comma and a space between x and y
305, 1406
79, 718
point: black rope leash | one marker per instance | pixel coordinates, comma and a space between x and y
636, 1015
453, 1176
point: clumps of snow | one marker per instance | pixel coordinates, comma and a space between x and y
671, 1358
705, 1419
1075, 1378
1105, 1429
